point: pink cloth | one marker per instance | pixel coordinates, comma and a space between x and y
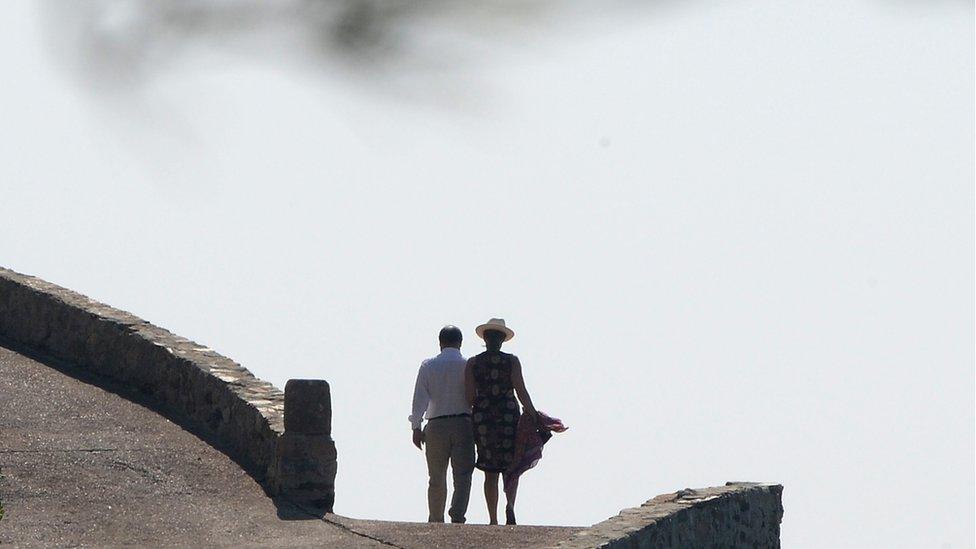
528, 447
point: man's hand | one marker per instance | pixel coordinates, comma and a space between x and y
418, 438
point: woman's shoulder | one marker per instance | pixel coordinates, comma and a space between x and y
486, 355
508, 357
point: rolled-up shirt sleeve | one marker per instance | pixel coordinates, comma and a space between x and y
421, 398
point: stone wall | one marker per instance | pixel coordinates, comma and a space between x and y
191, 383
738, 514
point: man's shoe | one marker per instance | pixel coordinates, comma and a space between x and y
509, 517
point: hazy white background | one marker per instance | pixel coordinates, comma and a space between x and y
735, 239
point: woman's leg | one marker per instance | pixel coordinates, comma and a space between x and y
491, 496
510, 502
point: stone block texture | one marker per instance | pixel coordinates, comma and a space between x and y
739, 514
308, 407
306, 469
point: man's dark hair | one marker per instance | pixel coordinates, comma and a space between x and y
450, 336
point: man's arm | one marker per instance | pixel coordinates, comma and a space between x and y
421, 398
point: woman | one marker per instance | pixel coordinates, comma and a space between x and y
491, 381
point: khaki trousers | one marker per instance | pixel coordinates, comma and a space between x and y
449, 439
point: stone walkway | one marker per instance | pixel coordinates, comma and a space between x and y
84, 466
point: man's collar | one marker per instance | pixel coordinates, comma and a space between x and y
454, 350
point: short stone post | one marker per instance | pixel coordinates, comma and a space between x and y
305, 457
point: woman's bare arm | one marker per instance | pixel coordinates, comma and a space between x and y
469, 388
519, 384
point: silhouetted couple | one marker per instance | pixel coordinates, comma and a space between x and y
471, 404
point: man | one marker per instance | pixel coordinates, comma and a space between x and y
449, 436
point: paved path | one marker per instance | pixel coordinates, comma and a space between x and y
84, 466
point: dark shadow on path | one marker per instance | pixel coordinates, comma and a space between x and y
288, 510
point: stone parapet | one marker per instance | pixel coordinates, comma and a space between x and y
191, 383
739, 514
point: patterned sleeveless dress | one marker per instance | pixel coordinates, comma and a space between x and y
495, 414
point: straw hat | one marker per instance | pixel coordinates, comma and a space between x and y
497, 324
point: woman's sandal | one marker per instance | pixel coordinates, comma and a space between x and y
509, 517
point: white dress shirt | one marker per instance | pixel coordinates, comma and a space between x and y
440, 387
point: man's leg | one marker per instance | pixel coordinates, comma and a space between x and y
462, 465
438, 453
